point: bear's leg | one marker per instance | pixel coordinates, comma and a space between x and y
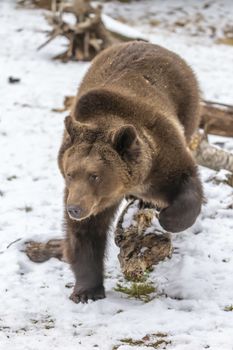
86, 241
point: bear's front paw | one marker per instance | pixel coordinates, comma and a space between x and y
172, 222
182, 213
177, 218
81, 296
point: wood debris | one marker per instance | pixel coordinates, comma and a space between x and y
87, 36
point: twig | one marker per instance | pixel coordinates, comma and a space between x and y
10, 244
52, 37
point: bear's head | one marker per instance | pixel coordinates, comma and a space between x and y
98, 166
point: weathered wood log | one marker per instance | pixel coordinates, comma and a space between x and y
217, 118
41, 252
210, 156
142, 244
44, 4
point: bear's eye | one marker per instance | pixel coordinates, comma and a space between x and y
94, 177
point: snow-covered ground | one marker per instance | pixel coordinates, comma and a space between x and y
194, 288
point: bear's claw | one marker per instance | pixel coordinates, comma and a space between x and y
84, 296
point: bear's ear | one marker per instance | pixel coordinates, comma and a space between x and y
70, 128
126, 142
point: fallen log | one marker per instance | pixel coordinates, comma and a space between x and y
210, 156
41, 252
217, 118
44, 4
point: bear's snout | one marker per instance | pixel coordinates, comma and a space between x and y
74, 211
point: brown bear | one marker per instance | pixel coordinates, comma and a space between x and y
136, 109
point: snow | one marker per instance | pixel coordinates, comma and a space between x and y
193, 288
129, 215
195, 18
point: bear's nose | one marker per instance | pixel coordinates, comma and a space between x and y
74, 211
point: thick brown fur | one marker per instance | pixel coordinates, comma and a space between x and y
135, 111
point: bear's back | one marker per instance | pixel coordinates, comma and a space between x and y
150, 74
